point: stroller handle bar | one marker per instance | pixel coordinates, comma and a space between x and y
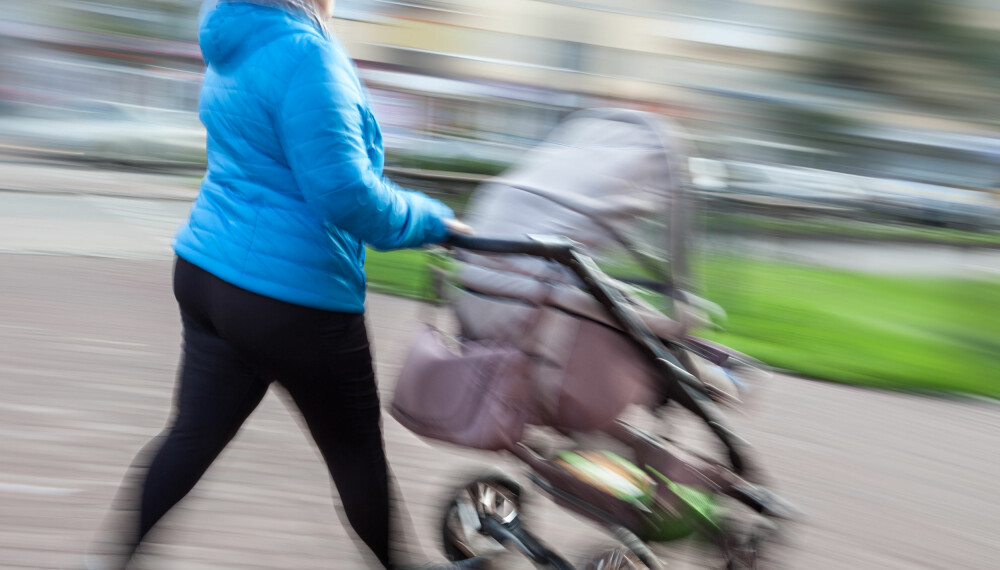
679, 384
549, 247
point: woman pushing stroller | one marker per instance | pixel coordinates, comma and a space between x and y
269, 273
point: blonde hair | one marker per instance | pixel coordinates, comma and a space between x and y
311, 8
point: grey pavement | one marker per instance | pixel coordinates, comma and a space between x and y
89, 341
67, 208
935, 260
87, 366
88, 225
49, 177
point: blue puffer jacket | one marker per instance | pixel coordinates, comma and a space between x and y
294, 187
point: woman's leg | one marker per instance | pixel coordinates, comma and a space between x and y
333, 385
216, 391
323, 360
215, 394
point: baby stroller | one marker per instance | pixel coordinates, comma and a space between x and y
548, 339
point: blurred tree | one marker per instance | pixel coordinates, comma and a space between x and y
845, 67
166, 19
929, 26
905, 16
912, 51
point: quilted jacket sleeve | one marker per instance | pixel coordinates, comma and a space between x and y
321, 125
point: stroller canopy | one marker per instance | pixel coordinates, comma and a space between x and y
610, 179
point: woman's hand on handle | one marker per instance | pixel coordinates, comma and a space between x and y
456, 227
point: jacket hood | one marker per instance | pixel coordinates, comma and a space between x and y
233, 30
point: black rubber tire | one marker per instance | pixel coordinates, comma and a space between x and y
452, 551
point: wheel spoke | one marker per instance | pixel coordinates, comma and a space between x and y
463, 531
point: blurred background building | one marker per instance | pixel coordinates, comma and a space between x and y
887, 102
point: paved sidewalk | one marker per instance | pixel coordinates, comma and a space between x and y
89, 349
43, 177
65, 208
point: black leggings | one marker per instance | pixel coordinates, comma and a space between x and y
235, 344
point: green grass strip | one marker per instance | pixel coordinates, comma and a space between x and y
888, 332
819, 227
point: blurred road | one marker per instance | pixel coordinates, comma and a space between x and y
89, 350
49, 207
18, 174
90, 340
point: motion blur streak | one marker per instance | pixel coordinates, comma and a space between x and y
845, 158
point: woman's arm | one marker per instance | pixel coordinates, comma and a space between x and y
321, 125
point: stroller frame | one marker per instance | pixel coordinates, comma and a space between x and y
675, 383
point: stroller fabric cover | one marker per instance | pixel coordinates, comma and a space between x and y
612, 181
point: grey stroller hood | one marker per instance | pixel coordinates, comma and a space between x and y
611, 180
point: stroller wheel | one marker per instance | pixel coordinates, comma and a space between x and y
620, 558
742, 550
496, 496
744, 545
